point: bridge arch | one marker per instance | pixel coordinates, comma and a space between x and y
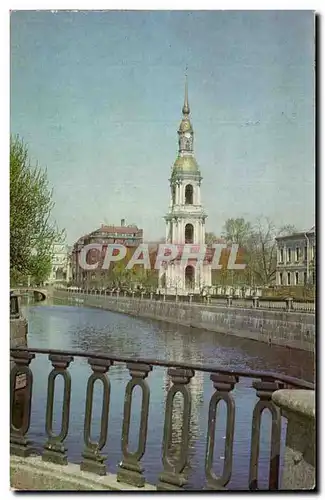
35, 291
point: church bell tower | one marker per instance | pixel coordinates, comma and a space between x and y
185, 220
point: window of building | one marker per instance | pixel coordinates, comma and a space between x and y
189, 194
314, 277
296, 278
281, 255
174, 194
288, 279
289, 255
281, 278
305, 278
305, 253
297, 254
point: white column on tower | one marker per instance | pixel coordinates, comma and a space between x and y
197, 232
178, 194
198, 190
180, 230
181, 201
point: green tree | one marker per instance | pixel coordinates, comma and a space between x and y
210, 238
237, 231
32, 233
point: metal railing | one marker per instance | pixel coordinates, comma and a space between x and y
130, 470
288, 304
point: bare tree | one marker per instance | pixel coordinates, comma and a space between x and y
262, 248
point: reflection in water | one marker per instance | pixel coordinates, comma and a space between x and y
88, 329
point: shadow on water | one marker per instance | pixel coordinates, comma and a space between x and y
90, 329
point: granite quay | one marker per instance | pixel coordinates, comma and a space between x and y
283, 322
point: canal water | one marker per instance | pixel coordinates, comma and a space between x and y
54, 326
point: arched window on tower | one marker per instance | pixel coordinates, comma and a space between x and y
189, 194
173, 194
189, 233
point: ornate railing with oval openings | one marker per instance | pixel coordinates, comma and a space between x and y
130, 469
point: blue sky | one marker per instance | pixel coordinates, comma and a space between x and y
97, 96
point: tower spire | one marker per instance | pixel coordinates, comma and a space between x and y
186, 107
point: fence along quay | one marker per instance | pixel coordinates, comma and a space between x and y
130, 471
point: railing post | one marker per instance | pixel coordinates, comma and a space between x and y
164, 298
54, 449
176, 298
264, 391
223, 385
255, 301
289, 303
19, 442
130, 470
299, 467
14, 306
142, 294
111, 293
190, 298
172, 478
93, 461
133, 294
229, 300
151, 295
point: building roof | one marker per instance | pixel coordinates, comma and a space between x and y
117, 229
299, 234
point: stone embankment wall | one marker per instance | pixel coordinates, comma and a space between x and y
18, 332
290, 329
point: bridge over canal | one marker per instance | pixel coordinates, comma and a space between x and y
38, 293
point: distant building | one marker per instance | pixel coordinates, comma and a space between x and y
59, 263
130, 236
296, 259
